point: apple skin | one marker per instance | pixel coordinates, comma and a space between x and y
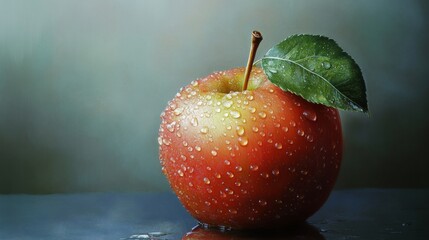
256, 159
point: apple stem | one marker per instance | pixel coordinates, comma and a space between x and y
256, 39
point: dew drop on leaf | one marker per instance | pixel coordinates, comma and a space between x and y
326, 65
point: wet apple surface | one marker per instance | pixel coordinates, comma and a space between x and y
258, 158
260, 148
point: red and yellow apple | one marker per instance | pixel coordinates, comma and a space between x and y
258, 158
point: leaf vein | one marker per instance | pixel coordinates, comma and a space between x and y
314, 73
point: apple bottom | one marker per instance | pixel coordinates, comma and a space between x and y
285, 206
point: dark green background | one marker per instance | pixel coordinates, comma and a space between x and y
82, 84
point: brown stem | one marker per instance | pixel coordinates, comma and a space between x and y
256, 39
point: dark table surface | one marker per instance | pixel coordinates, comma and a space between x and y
348, 214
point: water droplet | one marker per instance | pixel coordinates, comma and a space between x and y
217, 175
252, 109
166, 142
276, 172
194, 122
270, 140
310, 115
214, 153
209, 190
262, 114
230, 174
254, 167
235, 114
160, 140
178, 111
233, 211
180, 173
292, 123
185, 143
285, 129
238, 184
172, 105
198, 148
326, 65
310, 138
260, 143
255, 129
278, 145
243, 141
239, 168
194, 83
265, 175
300, 132
262, 202
204, 130
207, 203
240, 130
300, 196
190, 184
206, 180
227, 162
250, 97
170, 127
227, 104
183, 157
271, 90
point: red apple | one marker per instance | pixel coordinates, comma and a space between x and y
259, 158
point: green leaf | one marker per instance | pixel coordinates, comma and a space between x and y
318, 70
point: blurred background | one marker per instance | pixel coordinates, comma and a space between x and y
82, 84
